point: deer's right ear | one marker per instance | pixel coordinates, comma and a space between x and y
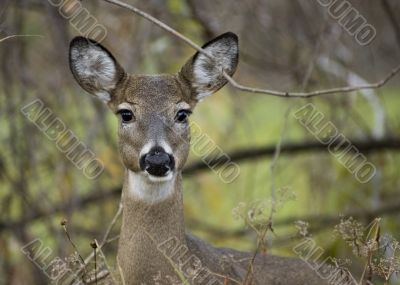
94, 67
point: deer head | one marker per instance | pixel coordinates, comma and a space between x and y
153, 110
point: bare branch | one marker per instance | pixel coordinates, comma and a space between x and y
18, 36
197, 166
241, 87
287, 148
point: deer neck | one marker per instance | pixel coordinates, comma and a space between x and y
152, 214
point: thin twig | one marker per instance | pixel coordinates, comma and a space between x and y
18, 36
112, 239
64, 226
250, 270
101, 275
94, 246
226, 278
110, 227
241, 87
105, 239
121, 273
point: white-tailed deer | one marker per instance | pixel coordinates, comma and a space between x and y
154, 140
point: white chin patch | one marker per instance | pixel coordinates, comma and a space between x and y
158, 179
149, 188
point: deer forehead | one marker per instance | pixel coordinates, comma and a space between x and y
152, 93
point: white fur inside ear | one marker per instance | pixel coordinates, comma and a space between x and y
207, 74
95, 66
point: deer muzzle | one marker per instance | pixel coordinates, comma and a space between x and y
157, 162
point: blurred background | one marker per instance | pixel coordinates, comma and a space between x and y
285, 45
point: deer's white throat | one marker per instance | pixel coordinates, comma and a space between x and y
150, 189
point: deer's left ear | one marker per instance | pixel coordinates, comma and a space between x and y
204, 74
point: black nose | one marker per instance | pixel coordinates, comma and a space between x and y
157, 162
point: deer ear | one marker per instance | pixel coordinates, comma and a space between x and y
94, 67
204, 74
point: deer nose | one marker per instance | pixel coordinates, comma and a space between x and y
157, 162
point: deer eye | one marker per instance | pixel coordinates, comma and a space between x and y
126, 115
182, 116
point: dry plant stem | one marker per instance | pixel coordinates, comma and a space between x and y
237, 85
74, 246
250, 270
274, 162
366, 266
95, 264
121, 274
373, 232
101, 274
110, 227
112, 239
273, 166
226, 278
105, 239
